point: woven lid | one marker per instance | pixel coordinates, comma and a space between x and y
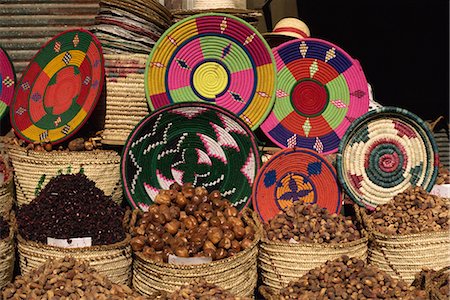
216, 58
320, 91
7, 81
193, 142
60, 88
383, 153
295, 174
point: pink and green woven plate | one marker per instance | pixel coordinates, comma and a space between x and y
195, 142
383, 153
215, 58
320, 91
59, 89
7, 81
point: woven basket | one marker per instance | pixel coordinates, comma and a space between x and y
281, 262
7, 195
7, 256
238, 273
126, 104
33, 170
403, 256
114, 261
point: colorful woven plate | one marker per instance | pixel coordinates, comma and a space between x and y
383, 153
295, 174
217, 58
7, 81
193, 142
320, 91
59, 89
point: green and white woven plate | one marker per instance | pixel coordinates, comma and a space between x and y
383, 153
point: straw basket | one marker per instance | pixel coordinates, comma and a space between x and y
281, 262
238, 273
126, 104
114, 260
7, 194
33, 170
7, 256
403, 256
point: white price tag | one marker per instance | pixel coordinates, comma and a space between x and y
173, 259
292, 241
441, 190
70, 243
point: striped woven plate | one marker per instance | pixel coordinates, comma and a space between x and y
383, 153
193, 142
295, 174
7, 81
216, 58
320, 91
59, 89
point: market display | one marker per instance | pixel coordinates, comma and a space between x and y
190, 222
320, 91
215, 58
71, 206
177, 111
348, 278
67, 278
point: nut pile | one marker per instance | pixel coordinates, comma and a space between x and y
187, 221
202, 290
71, 206
412, 211
349, 278
434, 281
66, 278
310, 223
4, 228
77, 144
443, 175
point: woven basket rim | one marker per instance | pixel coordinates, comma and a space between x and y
122, 244
62, 153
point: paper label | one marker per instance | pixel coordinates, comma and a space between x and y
441, 190
70, 243
292, 241
173, 259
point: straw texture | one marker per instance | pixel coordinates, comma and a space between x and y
33, 168
215, 58
281, 263
7, 195
7, 81
238, 273
383, 153
59, 89
320, 91
295, 174
114, 261
126, 104
192, 142
7, 257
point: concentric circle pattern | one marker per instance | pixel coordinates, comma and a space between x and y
193, 142
7, 81
320, 91
216, 58
60, 88
383, 153
295, 174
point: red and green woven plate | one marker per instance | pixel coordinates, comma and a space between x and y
295, 174
383, 153
195, 142
59, 89
320, 91
216, 58
7, 81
